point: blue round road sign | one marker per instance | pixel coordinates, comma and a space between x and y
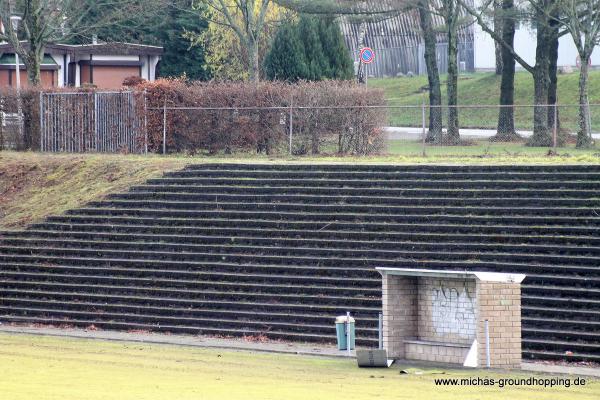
367, 55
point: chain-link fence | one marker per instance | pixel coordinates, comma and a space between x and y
372, 130
77, 123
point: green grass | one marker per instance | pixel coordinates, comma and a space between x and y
34, 367
34, 185
484, 89
491, 152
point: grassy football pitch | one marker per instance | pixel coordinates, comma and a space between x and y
38, 367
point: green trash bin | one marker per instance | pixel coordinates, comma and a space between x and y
342, 323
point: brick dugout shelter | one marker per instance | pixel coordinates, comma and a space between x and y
441, 316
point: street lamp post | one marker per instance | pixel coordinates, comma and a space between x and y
14, 20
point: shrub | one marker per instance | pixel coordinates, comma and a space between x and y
133, 80
9, 133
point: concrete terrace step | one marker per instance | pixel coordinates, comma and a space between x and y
192, 225
393, 168
99, 214
279, 298
322, 319
582, 314
557, 355
224, 274
364, 312
567, 346
459, 207
386, 175
149, 281
285, 199
218, 266
438, 190
195, 330
67, 239
157, 321
565, 216
425, 251
507, 182
213, 235
554, 301
330, 266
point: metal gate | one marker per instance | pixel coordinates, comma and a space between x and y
79, 122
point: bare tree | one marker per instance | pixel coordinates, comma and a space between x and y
247, 19
498, 24
582, 19
451, 12
545, 37
46, 21
507, 16
434, 134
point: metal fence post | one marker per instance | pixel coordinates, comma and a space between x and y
2, 118
291, 123
42, 144
348, 334
99, 146
145, 122
423, 126
555, 127
165, 127
488, 360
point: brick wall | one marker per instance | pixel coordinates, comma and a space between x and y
500, 304
447, 310
399, 313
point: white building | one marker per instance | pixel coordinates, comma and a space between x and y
525, 44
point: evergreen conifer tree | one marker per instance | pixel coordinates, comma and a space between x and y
341, 65
316, 62
312, 48
285, 60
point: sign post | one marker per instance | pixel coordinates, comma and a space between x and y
366, 56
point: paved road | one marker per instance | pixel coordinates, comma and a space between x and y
408, 133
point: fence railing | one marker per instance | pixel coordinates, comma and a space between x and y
422, 126
105, 122
11, 128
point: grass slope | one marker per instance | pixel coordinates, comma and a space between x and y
484, 89
59, 368
34, 185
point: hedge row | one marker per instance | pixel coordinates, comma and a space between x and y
326, 116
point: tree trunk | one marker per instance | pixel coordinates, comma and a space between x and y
541, 136
499, 19
453, 135
584, 137
33, 65
434, 135
253, 65
506, 116
553, 73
